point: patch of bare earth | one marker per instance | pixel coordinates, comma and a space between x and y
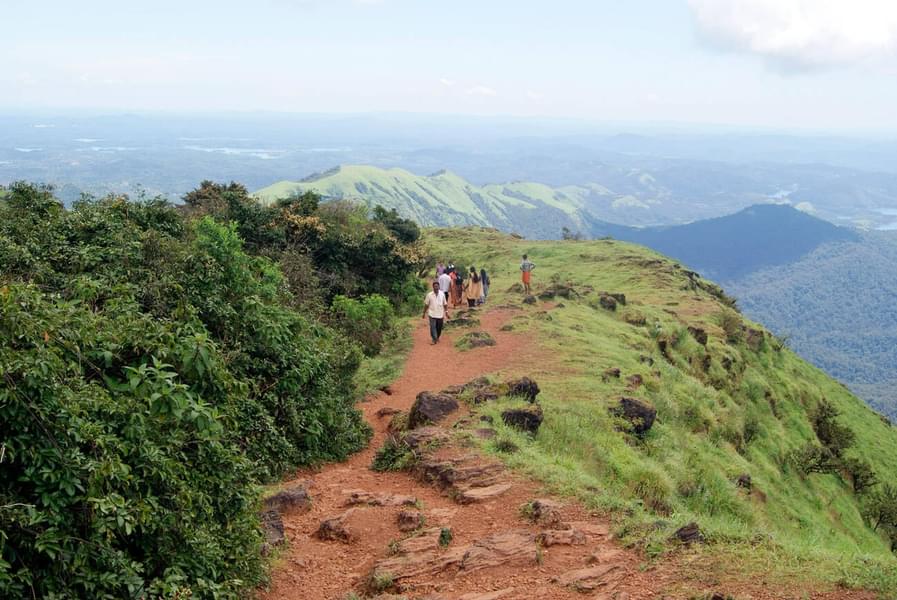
452, 527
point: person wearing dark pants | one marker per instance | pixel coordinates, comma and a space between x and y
436, 309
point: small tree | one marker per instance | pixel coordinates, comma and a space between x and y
880, 511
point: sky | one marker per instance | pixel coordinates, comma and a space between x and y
780, 64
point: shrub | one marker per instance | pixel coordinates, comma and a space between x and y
880, 510
730, 322
862, 476
366, 321
834, 436
393, 456
119, 478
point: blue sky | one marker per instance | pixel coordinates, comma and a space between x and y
783, 64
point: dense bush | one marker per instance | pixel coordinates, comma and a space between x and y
156, 369
367, 320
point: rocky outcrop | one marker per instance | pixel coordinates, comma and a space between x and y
527, 419
689, 534
272, 526
409, 520
591, 578
607, 302
431, 408
337, 528
362, 497
561, 537
523, 388
639, 413
699, 334
291, 499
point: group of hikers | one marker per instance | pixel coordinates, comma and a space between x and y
451, 285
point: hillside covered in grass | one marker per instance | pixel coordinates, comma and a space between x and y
781, 467
445, 199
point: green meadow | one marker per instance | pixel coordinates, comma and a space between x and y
742, 405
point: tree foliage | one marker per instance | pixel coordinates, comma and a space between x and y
156, 369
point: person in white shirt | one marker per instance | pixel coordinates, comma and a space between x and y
436, 308
445, 284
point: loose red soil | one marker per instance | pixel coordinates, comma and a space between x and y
312, 569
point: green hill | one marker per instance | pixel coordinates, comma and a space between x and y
445, 199
736, 403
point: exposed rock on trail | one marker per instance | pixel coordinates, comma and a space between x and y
363, 523
293, 498
431, 408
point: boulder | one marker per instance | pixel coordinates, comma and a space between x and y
689, 534
523, 388
607, 302
336, 528
525, 419
545, 512
410, 520
699, 334
547, 294
744, 481
638, 412
618, 297
529, 300
431, 408
293, 498
483, 395
272, 526
420, 437
634, 382
561, 537
613, 372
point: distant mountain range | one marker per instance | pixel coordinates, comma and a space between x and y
724, 247
445, 199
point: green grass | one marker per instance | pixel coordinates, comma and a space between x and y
445, 198
379, 371
712, 425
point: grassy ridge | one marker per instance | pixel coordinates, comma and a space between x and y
744, 411
445, 199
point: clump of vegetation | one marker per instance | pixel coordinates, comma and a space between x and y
445, 537
156, 370
367, 320
394, 455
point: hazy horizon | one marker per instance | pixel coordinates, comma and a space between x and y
786, 65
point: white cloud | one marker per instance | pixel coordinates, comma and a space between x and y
481, 90
447, 82
801, 34
534, 96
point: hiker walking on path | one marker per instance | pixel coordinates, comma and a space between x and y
484, 279
473, 289
445, 284
436, 308
526, 270
457, 288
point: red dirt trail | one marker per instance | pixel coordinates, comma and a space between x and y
312, 569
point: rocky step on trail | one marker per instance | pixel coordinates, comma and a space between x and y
453, 525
